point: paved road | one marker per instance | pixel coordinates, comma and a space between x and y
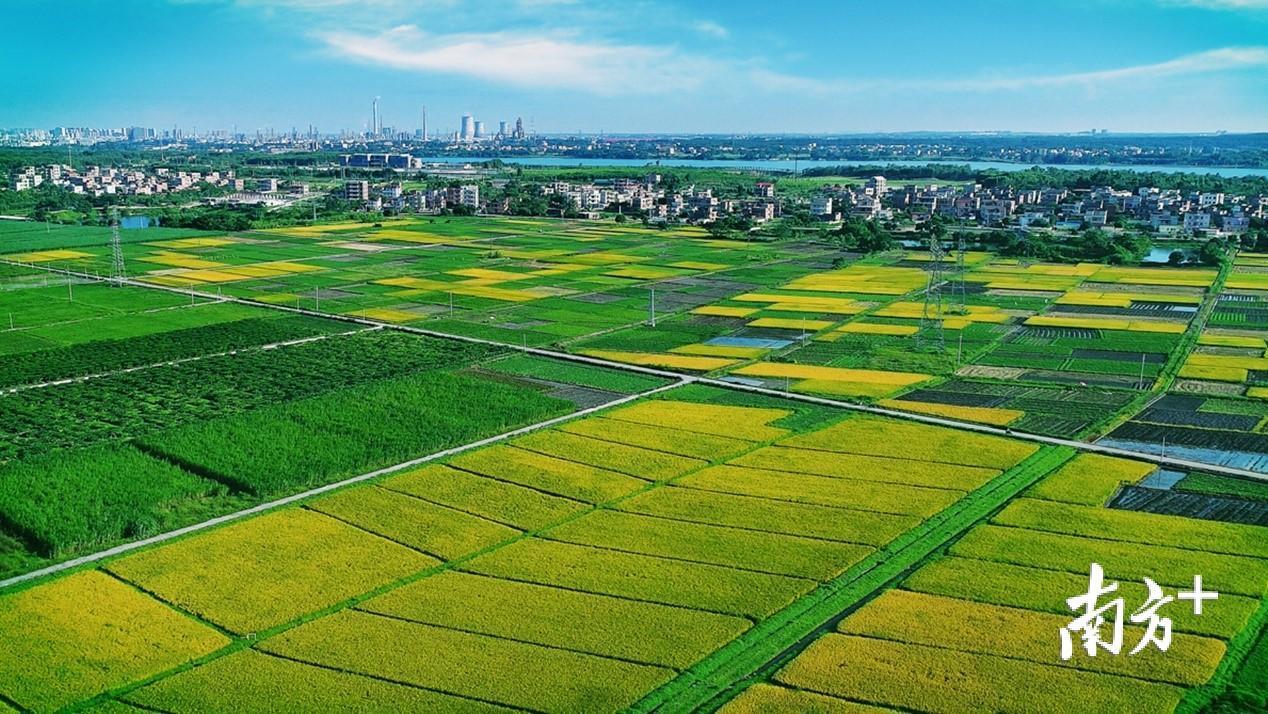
1168, 461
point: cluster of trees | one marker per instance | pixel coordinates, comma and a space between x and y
864, 236
1125, 179
1216, 251
1256, 238
1098, 246
525, 200
730, 225
1094, 245
43, 201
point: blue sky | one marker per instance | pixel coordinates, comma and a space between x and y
640, 65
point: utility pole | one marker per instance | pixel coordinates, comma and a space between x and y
652, 307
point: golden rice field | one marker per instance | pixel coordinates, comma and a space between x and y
45, 256
720, 351
1224, 368
725, 311
870, 328
791, 323
980, 415
915, 310
686, 545
833, 381
1213, 340
1105, 323
975, 612
502, 560
685, 362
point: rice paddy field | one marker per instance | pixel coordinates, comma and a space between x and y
795, 316
1214, 410
129, 411
590, 564
327, 468
981, 608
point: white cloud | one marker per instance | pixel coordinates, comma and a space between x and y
313, 5
1228, 58
1212, 61
711, 28
1222, 4
556, 60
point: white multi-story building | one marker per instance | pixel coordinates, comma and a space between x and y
866, 207
1096, 218
26, 179
1210, 200
356, 191
1235, 223
1197, 221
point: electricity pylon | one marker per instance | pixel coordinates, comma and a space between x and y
117, 272
930, 335
959, 301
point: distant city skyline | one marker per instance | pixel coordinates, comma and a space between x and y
654, 66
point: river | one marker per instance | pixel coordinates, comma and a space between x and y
790, 164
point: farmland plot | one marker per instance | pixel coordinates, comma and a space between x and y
313, 441
253, 682
469, 665
256, 574
590, 556
991, 607
596, 624
87, 633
